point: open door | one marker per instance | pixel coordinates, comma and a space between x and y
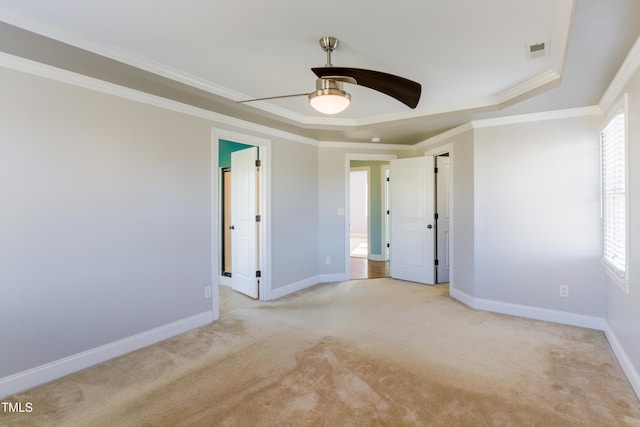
244, 225
442, 223
412, 219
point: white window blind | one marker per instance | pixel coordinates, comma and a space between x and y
612, 140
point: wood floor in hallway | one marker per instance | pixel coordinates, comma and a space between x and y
362, 268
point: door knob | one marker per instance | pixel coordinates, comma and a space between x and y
231, 227
429, 226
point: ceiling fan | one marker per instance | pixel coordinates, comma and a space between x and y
330, 97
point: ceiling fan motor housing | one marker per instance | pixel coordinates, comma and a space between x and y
329, 97
329, 86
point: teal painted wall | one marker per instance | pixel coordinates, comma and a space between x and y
375, 202
225, 148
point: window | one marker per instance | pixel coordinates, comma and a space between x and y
614, 194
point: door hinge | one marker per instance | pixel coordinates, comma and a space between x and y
258, 163
258, 273
388, 212
258, 218
387, 179
435, 170
388, 245
436, 216
435, 262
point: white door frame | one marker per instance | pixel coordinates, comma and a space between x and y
385, 215
347, 167
265, 207
443, 149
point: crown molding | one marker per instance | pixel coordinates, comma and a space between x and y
526, 86
368, 146
538, 117
622, 77
565, 12
52, 73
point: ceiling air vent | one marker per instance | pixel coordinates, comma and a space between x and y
538, 50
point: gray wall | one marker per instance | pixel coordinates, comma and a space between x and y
331, 194
463, 238
104, 223
537, 214
294, 205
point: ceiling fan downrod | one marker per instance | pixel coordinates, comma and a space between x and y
329, 44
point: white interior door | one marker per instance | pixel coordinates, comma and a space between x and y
412, 219
244, 234
442, 206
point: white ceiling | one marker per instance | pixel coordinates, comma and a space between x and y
470, 56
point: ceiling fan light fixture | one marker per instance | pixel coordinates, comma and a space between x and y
329, 98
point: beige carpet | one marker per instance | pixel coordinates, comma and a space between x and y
359, 353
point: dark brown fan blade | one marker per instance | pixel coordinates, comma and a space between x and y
404, 90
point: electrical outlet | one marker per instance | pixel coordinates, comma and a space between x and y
327, 260
564, 291
207, 292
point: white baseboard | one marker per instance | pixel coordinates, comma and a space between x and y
623, 359
41, 374
464, 298
556, 316
293, 287
529, 312
336, 277
305, 283
224, 280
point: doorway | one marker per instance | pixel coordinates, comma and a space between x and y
443, 245
365, 223
359, 212
224, 265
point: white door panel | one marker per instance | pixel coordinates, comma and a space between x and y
244, 236
443, 205
412, 212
